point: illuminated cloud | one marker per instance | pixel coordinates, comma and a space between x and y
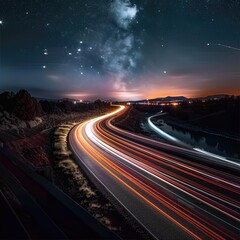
54, 77
123, 12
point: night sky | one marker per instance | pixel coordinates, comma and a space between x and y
120, 49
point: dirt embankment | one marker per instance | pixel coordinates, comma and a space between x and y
32, 144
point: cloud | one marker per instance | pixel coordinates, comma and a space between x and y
54, 77
123, 12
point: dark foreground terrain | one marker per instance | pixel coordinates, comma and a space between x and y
31, 142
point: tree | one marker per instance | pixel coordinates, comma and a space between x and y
25, 107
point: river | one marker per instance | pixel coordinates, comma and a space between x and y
222, 146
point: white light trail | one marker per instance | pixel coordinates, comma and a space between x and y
132, 161
216, 156
171, 138
229, 47
177, 163
159, 131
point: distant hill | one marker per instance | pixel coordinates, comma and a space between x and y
57, 99
69, 100
166, 99
212, 97
182, 98
46, 99
217, 96
169, 98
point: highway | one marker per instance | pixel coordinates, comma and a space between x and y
173, 192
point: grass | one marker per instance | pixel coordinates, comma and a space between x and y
77, 184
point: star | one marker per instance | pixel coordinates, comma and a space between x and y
43, 66
208, 44
164, 71
81, 73
79, 50
1, 22
81, 42
69, 53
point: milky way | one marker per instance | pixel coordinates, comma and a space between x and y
119, 51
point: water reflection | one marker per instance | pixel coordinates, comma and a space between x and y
216, 144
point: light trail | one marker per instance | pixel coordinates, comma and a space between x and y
159, 131
224, 46
93, 156
165, 181
171, 138
154, 171
229, 47
171, 161
216, 156
133, 162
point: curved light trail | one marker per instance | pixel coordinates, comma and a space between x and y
173, 192
173, 139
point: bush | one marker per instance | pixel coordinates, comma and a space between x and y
21, 104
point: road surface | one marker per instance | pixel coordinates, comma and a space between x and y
173, 192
